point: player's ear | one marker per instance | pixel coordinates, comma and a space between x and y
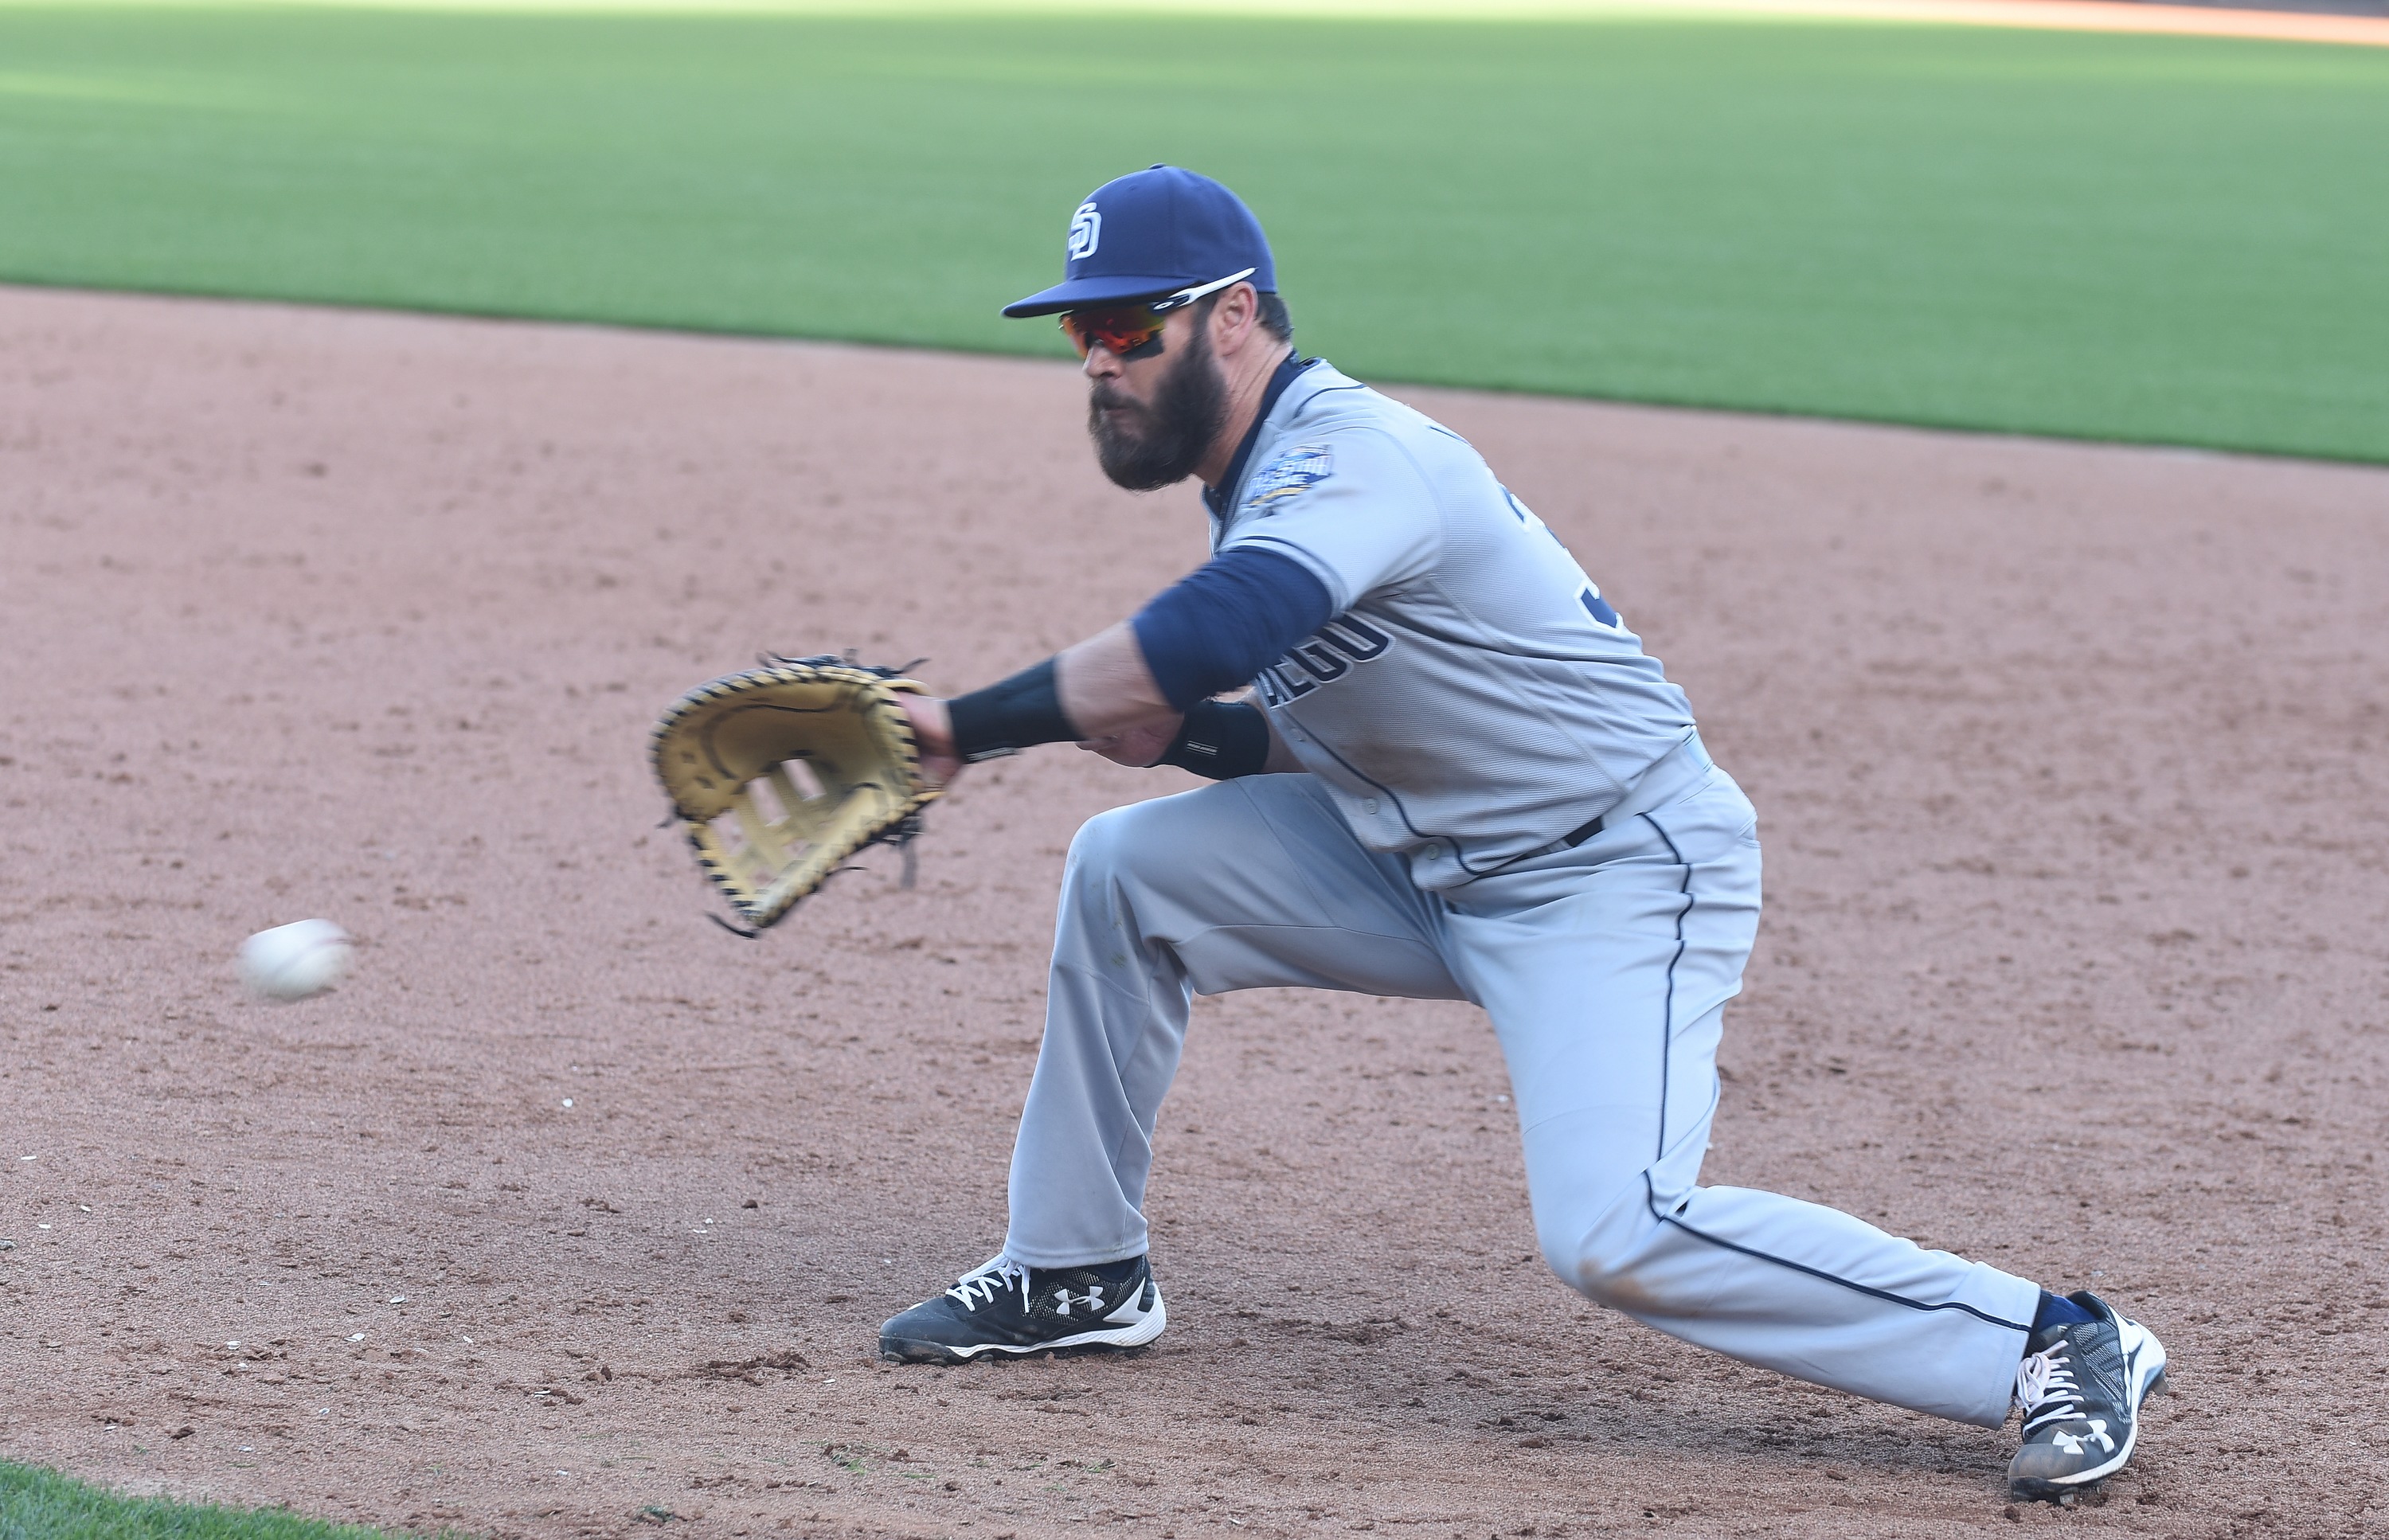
1232, 319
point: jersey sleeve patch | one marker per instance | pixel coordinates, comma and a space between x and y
1288, 476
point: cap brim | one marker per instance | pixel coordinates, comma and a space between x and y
1072, 293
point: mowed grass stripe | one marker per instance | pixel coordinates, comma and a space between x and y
42, 1505
2130, 238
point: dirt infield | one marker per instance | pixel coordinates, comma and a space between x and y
571, 1214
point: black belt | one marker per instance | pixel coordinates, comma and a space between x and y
1674, 774
1578, 835
1568, 841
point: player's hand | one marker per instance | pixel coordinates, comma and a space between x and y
1140, 744
935, 732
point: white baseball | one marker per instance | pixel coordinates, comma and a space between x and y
295, 960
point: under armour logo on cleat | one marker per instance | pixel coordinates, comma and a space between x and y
2072, 1443
1093, 1300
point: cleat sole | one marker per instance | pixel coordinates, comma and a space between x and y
897, 1351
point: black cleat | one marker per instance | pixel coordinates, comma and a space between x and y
1005, 1309
2080, 1387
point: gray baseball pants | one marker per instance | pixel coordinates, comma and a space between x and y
1605, 970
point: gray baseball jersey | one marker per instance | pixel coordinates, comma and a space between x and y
1476, 698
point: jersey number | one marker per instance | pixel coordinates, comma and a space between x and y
1588, 592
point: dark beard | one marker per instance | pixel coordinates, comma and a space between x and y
1162, 443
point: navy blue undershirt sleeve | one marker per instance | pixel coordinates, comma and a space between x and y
1224, 622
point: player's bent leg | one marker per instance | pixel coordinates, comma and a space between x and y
1250, 883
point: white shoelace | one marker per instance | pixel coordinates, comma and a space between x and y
2046, 1380
996, 1276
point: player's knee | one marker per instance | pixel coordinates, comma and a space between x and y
1115, 852
1600, 1253
1104, 844
1608, 1283
1148, 839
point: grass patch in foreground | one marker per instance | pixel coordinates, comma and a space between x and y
44, 1505
2131, 237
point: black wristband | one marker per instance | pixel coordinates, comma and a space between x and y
1010, 716
1220, 739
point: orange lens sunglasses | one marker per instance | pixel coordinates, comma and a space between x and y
1131, 330
1124, 330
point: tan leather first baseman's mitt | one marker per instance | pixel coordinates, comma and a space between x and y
779, 774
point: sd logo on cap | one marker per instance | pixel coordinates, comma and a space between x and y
1154, 232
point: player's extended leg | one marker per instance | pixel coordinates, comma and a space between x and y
1249, 882
1605, 970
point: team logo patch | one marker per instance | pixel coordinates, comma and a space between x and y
1086, 231
1290, 474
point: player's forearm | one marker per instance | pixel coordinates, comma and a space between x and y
1212, 630
1105, 685
1087, 691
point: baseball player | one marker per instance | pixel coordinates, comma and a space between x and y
1446, 770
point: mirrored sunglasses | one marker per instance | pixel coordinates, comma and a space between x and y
1133, 330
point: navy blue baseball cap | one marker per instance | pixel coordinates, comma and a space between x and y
1151, 233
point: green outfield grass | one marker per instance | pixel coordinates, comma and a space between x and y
2115, 236
42, 1505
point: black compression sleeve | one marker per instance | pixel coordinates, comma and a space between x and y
1222, 739
1015, 714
